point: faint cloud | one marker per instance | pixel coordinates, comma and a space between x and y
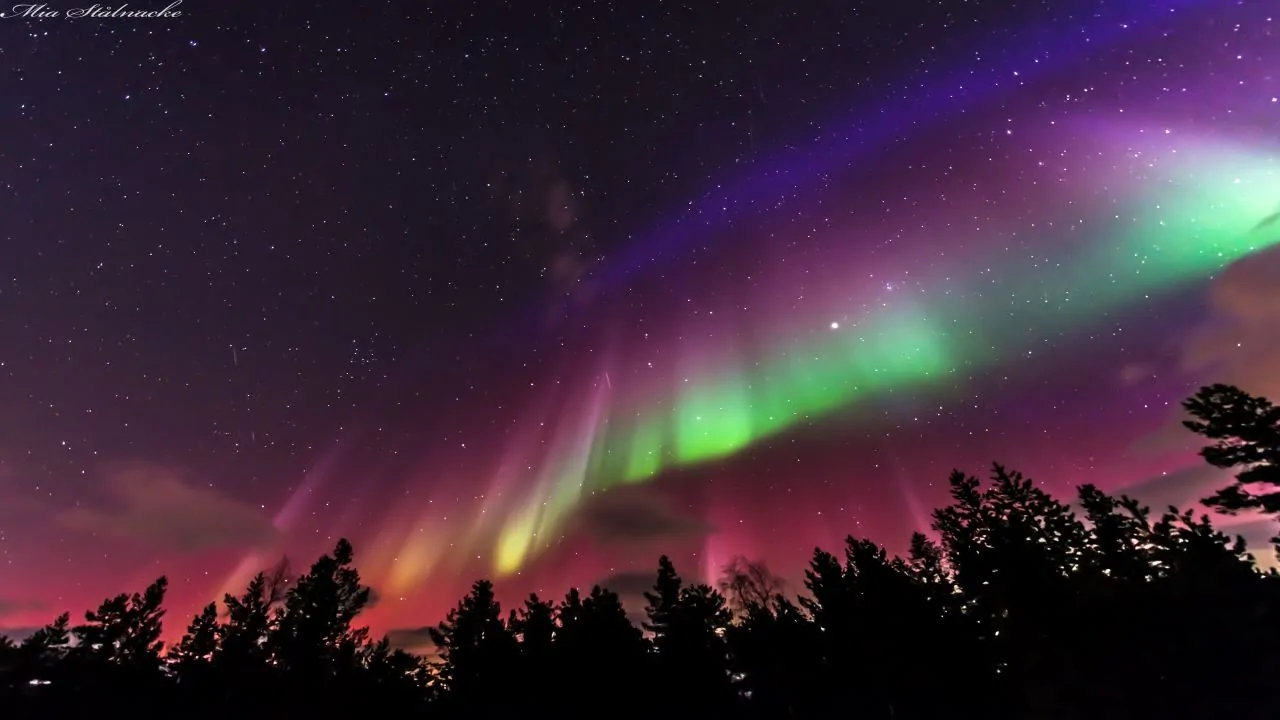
1182, 488
1239, 342
1258, 536
636, 514
1169, 437
155, 505
14, 504
548, 207
1240, 345
630, 586
562, 206
630, 583
415, 640
18, 634
13, 500
13, 606
1134, 373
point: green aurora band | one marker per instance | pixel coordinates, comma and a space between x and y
1196, 212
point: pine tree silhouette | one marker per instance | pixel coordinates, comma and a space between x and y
1246, 431
689, 624
598, 644
476, 648
534, 626
192, 657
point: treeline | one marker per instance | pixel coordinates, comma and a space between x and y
1023, 607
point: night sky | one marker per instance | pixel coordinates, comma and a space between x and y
540, 291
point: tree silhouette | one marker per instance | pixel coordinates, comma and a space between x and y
689, 624
125, 630
313, 634
662, 599
777, 659
475, 646
1246, 434
748, 584
400, 681
192, 660
534, 627
102, 664
599, 645
885, 631
116, 652
194, 652
36, 659
245, 639
8, 662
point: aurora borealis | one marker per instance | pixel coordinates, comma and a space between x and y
747, 316
724, 400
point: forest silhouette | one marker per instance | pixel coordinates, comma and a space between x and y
1022, 606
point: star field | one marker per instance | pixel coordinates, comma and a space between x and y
542, 292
